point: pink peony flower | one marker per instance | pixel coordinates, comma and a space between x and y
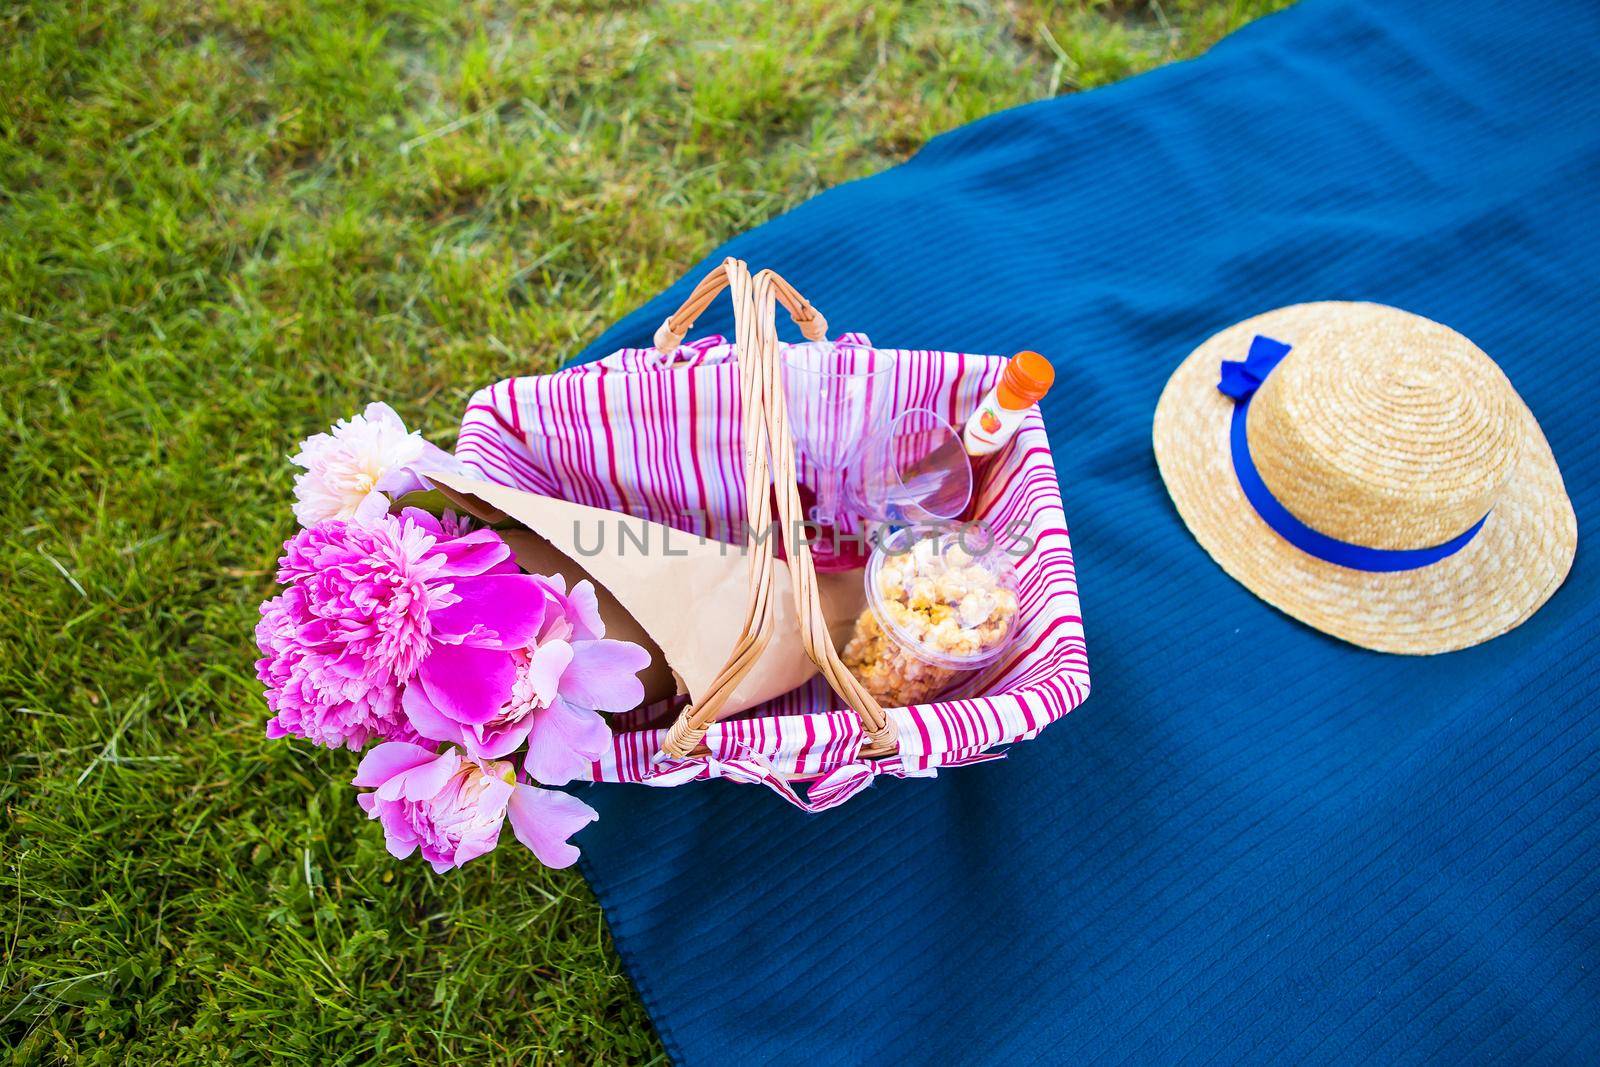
547, 692
367, 605
308, 702
451, 807
349, 469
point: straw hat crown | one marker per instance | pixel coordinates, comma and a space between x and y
1370, 472
1385, 429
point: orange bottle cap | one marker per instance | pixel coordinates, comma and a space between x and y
1026, 379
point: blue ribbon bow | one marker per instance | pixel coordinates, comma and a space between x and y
1240, 380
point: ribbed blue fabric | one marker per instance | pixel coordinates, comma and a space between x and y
1253, 842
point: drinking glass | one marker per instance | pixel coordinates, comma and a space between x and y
836, 394
913, 470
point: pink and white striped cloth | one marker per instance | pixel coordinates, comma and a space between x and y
659, 437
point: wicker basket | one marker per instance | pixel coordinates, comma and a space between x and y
539, 433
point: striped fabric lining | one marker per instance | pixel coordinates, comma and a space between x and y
658, 437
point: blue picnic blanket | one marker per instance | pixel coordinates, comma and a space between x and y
1253, 842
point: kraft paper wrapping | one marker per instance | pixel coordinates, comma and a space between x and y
680, 596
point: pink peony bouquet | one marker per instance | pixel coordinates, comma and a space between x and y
416, 637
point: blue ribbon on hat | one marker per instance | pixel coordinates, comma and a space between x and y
1240, 380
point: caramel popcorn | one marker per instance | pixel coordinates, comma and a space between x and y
936, 612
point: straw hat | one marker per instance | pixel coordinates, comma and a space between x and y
1384, 482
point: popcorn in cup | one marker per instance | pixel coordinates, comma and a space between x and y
936, 608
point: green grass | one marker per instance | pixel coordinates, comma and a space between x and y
223, 224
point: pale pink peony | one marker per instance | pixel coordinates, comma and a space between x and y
451, 806
355, 469
547, 693
366, 605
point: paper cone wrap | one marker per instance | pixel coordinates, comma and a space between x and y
680, 596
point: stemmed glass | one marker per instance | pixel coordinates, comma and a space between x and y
914, 470
836, 394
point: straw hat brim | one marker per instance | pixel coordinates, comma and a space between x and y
1503, 575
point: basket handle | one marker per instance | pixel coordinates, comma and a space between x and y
690, 727
676, 326
880, 729
765, 423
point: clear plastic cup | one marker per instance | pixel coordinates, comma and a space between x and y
936, 608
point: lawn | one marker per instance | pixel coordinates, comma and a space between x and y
225, 224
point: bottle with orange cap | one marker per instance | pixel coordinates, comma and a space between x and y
1023, 383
